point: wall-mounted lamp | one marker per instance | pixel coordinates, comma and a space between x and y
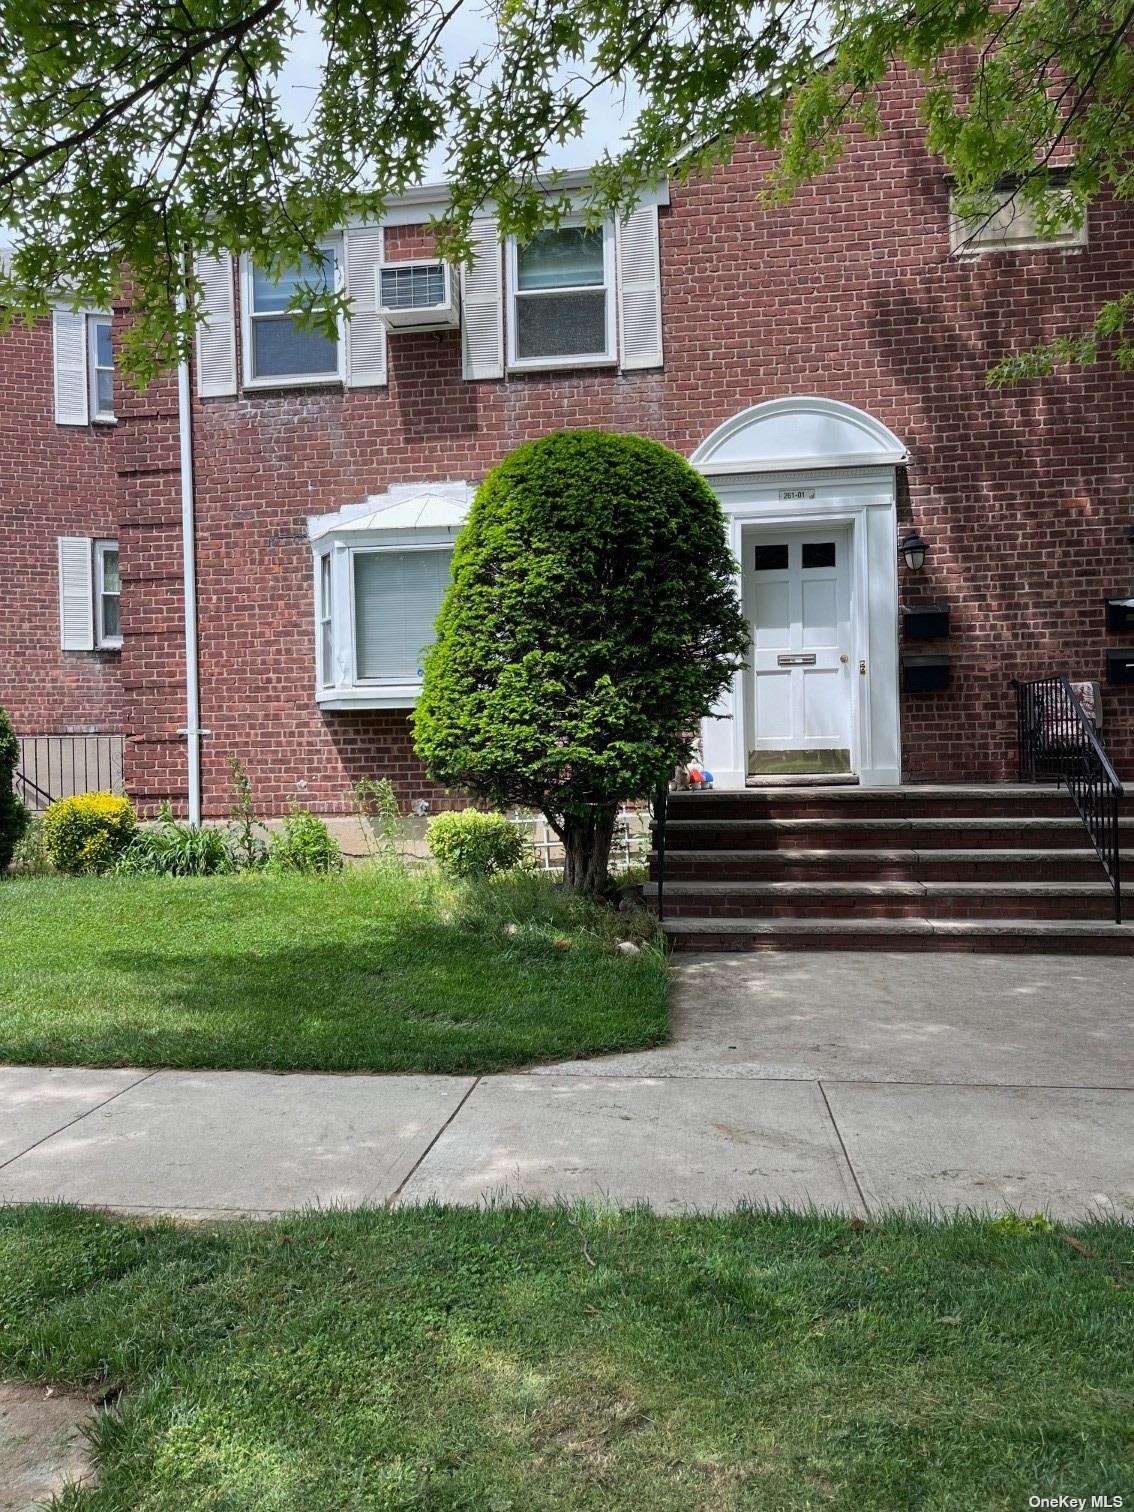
913, 549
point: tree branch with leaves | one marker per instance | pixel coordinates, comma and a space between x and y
132, 135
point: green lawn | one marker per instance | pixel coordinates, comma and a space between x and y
566, 1358
371, 970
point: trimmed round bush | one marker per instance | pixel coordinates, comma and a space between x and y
591, 622
86, 835
468, 843
305, 844
13, 814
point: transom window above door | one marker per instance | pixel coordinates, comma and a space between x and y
561, 298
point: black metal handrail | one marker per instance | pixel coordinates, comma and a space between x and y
58, 766
661, 812
1058, 743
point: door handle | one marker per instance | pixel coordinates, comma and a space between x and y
844, 658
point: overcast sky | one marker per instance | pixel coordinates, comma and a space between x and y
469, 30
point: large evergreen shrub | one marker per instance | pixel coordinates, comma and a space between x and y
13, 815
590, 624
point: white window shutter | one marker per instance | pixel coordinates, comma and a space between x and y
365, 331
76, 594
216, 334
482, 304
639, 290
70, 332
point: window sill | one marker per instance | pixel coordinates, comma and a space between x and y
104, 419
973, 254
325, 380
386, 696
559, 364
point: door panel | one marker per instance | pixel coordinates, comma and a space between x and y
799, 598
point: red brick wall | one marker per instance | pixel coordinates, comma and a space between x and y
849, 292
54, 480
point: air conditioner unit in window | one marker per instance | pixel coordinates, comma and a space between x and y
417, 296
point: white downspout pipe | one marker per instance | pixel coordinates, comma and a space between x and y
189, 565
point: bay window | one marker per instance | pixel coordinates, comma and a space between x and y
278, 350
561, 298
381, 572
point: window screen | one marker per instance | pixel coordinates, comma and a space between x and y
280, 347
560, 307
396, 598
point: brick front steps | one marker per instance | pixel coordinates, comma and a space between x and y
968, 868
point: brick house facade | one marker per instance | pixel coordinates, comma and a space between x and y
851, 293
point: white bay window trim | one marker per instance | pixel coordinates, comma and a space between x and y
406, 521
608, 357
249, 316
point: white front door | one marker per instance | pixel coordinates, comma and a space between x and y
799, 602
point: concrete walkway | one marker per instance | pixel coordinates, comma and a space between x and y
854, 1082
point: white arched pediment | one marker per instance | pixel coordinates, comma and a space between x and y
798, 432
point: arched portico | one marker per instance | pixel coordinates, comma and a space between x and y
808, 486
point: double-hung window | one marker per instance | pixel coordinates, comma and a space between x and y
278, 350
100, 367
561, 298
107, 595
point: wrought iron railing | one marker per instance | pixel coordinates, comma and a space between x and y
1059, 743
59, 766
660, 810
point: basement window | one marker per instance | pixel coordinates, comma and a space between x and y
1005, 223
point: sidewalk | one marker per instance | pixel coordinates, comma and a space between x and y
853, 1082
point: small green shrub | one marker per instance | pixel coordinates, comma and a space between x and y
381, 820
86, 834
170, 849
305, 844
30, 855
467, 843
13, 814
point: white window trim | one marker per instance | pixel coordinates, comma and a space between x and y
389, 693
324, 616
104, 642
97, 416
609, 358
964, 247
331, 244
345, 689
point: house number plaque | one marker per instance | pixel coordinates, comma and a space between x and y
797, 493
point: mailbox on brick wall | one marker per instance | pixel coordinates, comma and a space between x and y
926, 621
926, 674
1120, 667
